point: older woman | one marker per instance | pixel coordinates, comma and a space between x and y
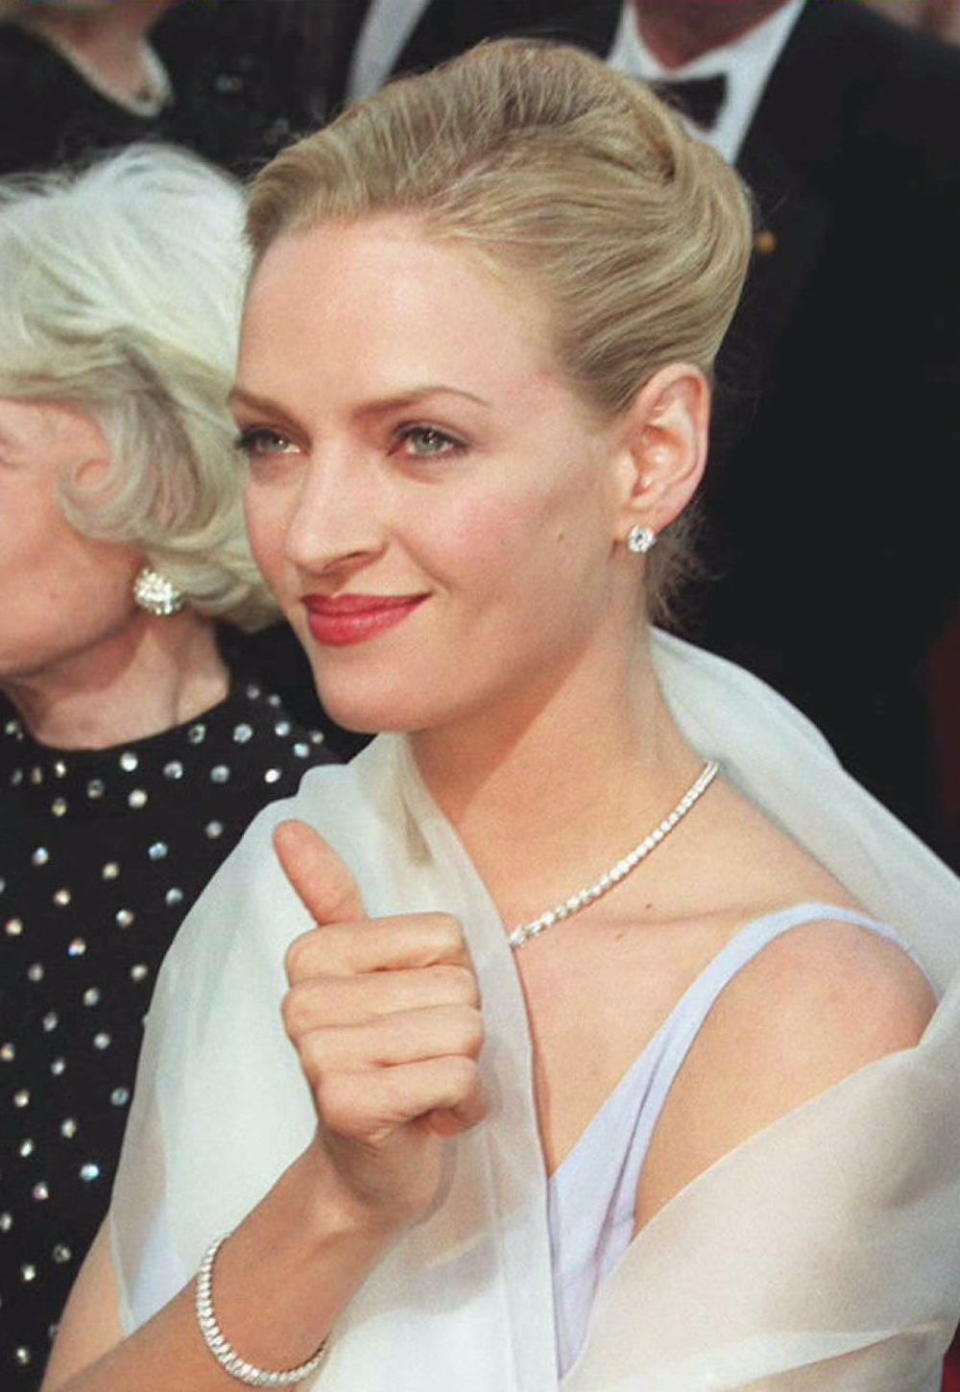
132, 755
614, 1061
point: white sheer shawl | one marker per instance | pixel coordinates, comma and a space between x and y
824, 1253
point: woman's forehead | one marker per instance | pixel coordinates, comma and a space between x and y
383, 289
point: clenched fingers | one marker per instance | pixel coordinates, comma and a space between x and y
379, 944
392, 1039
445, 1094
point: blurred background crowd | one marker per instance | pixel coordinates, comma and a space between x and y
148, 702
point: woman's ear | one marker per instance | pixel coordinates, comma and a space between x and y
664, 447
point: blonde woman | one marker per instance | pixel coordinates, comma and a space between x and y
138, 736
596, 1065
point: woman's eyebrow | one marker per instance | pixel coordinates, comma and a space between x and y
409, 396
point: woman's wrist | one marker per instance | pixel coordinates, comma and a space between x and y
337, 1213
290, 1269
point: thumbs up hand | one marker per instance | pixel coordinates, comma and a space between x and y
385, 1016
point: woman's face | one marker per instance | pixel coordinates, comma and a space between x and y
61, 594
432, 505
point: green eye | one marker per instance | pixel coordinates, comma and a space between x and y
259, 441
427, 441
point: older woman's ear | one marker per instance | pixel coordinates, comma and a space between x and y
664, 447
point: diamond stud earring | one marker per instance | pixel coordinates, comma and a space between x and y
640, 539
156, 594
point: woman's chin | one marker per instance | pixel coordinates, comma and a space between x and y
373, 716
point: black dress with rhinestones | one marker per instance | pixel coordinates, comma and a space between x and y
101, 855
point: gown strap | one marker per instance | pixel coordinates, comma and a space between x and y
592, 1194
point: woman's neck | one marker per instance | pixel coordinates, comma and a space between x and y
157, 673
106, 40
547, 800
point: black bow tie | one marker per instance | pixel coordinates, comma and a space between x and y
699, 98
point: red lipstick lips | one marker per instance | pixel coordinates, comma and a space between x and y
339, 620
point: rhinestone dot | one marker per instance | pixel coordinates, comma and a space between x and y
173, 770
110, 871
129, 761
89, 1172
60, 769
50, 1021
57, 1067
96, 788
6, 1222
40, 856
28, 1272
62, 898
173, 896
124, 918
213, 830
8, 1052
77, 948
272, 775
35, 971
61, 1253
197, 734
91, 995
13, 927
273, 700
301, 750
101, 1040
40, 1192
120, 1096
219, 773
242, 733
137, 798
139, 972
58, 807
158, 850
25, 1148
21, 1098
36, 776
282, 728
23, 1356
316, 737
68, 1128
253, 692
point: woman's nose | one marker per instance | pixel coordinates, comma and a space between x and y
338, 515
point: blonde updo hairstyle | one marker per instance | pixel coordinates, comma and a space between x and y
578, 181
121, 295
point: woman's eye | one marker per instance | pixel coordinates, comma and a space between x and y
427, 442
259, 442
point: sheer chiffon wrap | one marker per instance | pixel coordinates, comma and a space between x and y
822, 1254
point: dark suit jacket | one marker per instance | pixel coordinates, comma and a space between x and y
830, 525
237, 69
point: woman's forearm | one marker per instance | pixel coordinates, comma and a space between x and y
281, 1281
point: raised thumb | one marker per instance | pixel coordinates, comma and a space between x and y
325, 886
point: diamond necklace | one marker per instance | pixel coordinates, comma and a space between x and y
518, 936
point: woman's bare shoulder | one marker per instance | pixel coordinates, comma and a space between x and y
816, 1004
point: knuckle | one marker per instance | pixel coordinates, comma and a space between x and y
468, 1030
449, 931
301, 1009
462, 1074
291, 1010
297, 956
337, 1105
461, 985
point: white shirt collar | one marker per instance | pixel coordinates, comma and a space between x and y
386, 29
746, 63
